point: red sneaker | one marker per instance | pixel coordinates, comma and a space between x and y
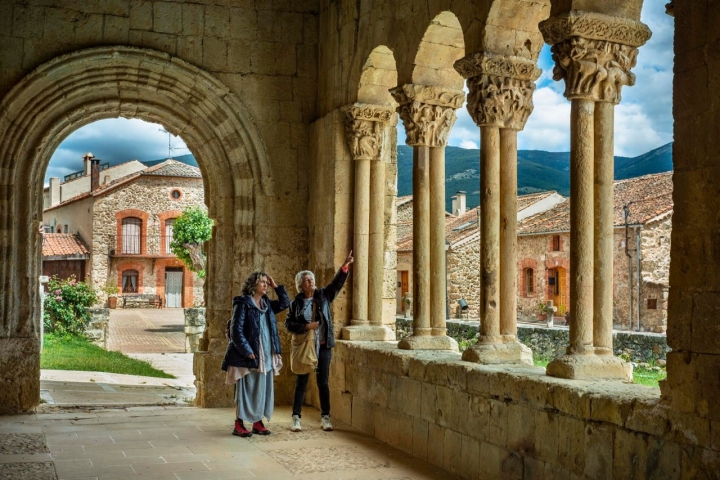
240, 430
260, 429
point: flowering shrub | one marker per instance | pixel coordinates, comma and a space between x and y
66, 306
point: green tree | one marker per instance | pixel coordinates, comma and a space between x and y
190, 231
66, 306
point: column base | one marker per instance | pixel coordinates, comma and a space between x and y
591, 366
514, 353
367, 333
428, 342
20, 384
211, 391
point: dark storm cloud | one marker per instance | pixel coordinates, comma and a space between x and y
115, 140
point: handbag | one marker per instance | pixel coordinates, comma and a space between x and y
303, 356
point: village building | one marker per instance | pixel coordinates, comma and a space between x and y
65, 255
289, 107
641, 243
126, 224
462, 236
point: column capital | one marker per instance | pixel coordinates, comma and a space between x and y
365, 129
427, 112
501, 88
594, 53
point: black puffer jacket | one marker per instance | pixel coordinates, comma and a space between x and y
295, 321
245, 329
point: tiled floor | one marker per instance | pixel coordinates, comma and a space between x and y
186, 443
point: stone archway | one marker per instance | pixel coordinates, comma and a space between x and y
88, 85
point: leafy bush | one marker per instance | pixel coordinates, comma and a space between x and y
191, 229
66, 306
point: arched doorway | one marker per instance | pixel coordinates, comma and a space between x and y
84, 86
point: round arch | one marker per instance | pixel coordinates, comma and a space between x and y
79, 88
441, 46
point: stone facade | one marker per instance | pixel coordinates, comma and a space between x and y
256, 90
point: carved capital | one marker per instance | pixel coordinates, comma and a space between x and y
365, 127
427, 112
594, 26
594, 69
501, 88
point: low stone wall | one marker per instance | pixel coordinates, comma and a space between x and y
505, 422
97, 329
551, 343
194, 328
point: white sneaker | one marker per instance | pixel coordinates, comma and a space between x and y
325, 423
295, 424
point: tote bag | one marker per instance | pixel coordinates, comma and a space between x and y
303, 357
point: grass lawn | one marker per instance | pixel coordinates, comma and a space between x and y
76, 353
641, 376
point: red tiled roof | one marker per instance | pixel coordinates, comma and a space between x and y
63, 245
646, 197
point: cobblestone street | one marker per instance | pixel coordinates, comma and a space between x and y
140, 330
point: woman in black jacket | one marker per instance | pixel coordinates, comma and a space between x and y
253, 352
299, 320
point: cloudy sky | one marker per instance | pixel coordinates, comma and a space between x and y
643, 120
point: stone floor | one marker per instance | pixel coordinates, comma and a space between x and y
147, 330
187, 443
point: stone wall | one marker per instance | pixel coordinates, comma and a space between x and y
549, 343
502, 422
463, 267
194, 328
97, 329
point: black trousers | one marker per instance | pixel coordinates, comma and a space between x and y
322, 372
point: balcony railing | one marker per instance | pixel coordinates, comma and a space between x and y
131, 245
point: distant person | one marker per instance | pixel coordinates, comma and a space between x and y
253, 353
300, 320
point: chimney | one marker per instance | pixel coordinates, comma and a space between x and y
458, 203
86, 165
54, 191
95, 174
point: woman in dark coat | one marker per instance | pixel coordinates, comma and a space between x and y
299, 320
253, 353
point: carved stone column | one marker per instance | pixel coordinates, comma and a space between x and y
593, 54
428, 113
365, 130
500, 102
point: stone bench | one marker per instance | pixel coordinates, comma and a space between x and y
143, 300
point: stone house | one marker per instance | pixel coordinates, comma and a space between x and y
271, 98
643, 246
462, 237
127, 224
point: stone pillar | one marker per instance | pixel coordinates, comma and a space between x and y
593, 54
428, 114
500, 102
365, 130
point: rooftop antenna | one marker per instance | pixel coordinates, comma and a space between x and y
170, 147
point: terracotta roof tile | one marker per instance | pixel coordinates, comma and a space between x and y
63, 244
646, 197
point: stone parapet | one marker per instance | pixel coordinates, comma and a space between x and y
638, 347
194, 328
510, 421
97, 329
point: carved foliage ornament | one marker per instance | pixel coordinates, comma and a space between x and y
427, 112
365, 127
502, 102
594, 26
487, 63
594, 69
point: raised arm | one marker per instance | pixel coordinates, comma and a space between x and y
339, 279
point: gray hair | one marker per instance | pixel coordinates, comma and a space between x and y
299, 278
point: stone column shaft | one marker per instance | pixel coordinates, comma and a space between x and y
508, 233
421, 241
361, 248
489, 234
604, 176
377, 251
581, 225
438, 279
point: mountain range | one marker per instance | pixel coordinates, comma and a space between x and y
537, 170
